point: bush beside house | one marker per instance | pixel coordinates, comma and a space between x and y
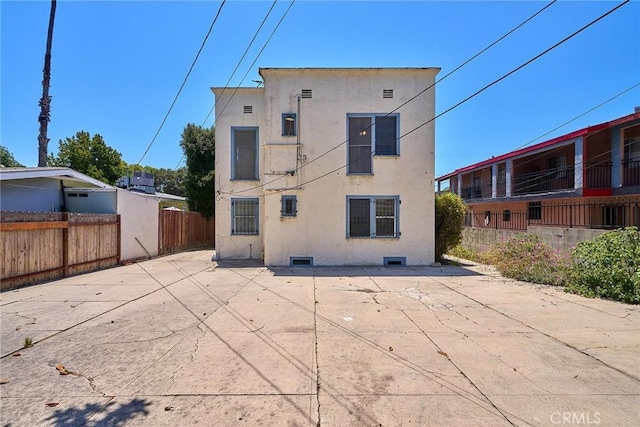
449, 222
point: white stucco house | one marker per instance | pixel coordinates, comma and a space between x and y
327, 166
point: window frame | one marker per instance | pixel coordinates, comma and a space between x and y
256, 215
284, 124
374, 216
233, 151
374, 118
294, 206
534, 211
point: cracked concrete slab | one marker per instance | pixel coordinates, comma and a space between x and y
182, 340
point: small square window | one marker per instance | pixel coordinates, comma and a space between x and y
289, 124
289, 206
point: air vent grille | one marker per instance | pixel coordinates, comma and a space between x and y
307, 93
248, 109
387, 93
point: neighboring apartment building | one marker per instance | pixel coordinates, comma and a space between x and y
588, 178
319, 166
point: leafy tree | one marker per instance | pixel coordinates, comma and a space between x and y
450, 211
198, 145
7, 159
170, 181
89, 155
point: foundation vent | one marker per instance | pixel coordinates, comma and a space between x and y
300, 261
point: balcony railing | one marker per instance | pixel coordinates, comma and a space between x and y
546, 181
631, 172
482, 191
598, 175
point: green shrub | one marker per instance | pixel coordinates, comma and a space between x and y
462, 252
608, 266
450, 211
525, 257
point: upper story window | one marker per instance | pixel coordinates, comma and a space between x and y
370, 135
289, 124
244, 153
375, 216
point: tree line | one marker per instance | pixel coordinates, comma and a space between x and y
90, 155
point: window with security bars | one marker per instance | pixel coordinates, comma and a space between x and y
534, 211
370, 135
372, 216
289, 206
244, 151
244, 216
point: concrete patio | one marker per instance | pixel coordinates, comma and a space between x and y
180, 341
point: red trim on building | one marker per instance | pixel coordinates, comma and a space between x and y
563, 138
596, 192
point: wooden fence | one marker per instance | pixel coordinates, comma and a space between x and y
180, 230
46, 246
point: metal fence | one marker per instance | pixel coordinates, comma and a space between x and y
609, 214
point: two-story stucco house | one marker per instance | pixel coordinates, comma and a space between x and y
327, 166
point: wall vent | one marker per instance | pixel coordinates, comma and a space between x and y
307, 93
300, 261
248, 109
387, 93
394, 261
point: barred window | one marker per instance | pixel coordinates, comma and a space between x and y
289, 206
372, 216
244, 216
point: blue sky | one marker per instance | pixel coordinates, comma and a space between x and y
117, 66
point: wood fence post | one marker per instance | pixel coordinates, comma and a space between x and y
65, 245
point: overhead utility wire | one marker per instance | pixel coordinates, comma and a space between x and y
577, 117
226, 86
235, 69
412, 98
469, 97
564, 124
519, 67
257, 57
206, 37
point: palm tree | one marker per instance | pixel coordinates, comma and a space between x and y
45, 101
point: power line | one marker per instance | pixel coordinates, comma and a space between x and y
206, 37
412, 98
464, 100
519, 67
257, 57
565, 123
241, 59
250, 67
577, 117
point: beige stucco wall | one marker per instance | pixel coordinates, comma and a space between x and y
558, 238
138, 219
319, 229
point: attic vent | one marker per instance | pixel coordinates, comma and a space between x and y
387, 93
301, 261
307, 93
248, 109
